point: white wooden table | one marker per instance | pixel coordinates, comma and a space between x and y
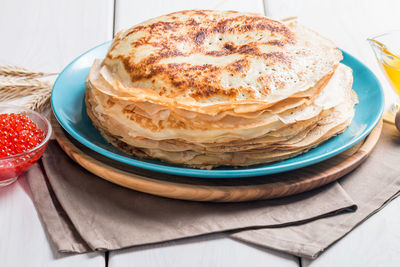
46, 35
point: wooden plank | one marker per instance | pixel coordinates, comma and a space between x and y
376, 242
202, 251
211, 250
44, 35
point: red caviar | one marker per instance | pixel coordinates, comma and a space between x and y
18, 134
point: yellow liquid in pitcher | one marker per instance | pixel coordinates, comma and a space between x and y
390, 63
391, 66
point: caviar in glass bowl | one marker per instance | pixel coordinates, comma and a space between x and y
24, 135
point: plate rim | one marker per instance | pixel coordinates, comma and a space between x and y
200, 173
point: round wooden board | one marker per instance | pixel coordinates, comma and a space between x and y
218, 190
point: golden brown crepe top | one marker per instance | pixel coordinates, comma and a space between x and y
204, 57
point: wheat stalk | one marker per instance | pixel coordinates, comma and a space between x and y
11, 88
17, 71
40, 101
16, 82
289, 19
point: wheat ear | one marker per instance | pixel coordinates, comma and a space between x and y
41, 100
17, 71
11, 88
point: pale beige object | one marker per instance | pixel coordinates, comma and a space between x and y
204, 159
336, 100
115, 118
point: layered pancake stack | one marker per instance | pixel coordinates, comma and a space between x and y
210, 88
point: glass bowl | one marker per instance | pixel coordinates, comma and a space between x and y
12, 166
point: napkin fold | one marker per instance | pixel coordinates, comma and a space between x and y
372, 185
83, 213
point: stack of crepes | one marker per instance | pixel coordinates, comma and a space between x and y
209, 88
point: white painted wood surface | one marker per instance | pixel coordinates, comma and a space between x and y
211, 250
347, 23
44, 35
376, 242
129, 13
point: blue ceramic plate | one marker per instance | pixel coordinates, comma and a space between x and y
69, 107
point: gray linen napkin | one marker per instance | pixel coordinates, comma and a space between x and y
82, 212
375, 183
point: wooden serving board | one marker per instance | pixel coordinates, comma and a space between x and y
218, 190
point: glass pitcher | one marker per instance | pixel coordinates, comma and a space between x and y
386, 48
